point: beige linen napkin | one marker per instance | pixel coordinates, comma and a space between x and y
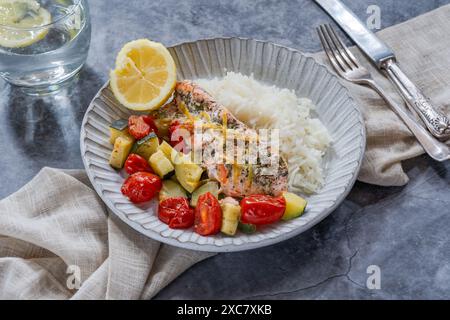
422, 47
56, 228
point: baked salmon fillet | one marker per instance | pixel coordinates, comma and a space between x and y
191, 103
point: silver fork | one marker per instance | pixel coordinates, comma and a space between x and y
348, 67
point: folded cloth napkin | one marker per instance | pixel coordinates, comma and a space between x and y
57, 241
422, 47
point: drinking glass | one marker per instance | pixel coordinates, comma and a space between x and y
43, 43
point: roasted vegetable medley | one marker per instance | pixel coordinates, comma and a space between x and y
187, 196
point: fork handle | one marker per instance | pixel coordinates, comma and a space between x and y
437, 123
436, 149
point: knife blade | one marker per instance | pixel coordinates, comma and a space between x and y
367, 41
384, 58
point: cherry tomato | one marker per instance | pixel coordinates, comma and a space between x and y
140, 126
262, 209
151, 122
136, 163
208, 215
176, 213
141, 186
178, 142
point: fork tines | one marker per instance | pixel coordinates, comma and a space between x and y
338, 53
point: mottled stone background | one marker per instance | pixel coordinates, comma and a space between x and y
404, 231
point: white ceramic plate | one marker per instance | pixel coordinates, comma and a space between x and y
269, 63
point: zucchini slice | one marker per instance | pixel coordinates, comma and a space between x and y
166, 149
247, 228
118, 128
171, 189
210, 186
147, 146
120, 124
188, 174
295, 206
231, 214
122, 148
160, 164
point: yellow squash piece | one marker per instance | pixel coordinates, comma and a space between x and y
230, 218
115, 133
166, 149
295, 206
160, 164
188, 174
122, 148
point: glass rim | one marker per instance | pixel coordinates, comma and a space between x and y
75, 6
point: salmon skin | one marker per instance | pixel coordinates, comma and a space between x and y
192, 102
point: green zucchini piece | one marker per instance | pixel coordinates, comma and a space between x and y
118, 128
166, 149
188, 175
211, 186
147, 146
295, 206
174, 178
247, 228
120, 124
171, 189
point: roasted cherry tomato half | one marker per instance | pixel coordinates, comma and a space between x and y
141, 186
140, 126
176, 213
173, 126
262, 209
208, 215
151, 122
178, 141
136, 163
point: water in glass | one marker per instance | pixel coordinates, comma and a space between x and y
43, 43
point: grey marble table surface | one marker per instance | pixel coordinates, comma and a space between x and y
404, 231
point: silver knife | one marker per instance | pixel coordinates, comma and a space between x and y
384, 58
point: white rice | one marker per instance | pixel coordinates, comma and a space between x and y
303, 140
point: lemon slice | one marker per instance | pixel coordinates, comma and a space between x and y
145, 75
19, 22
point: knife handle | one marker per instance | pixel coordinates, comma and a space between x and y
436, 122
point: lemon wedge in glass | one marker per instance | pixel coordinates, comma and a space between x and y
145, 75
20, 22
